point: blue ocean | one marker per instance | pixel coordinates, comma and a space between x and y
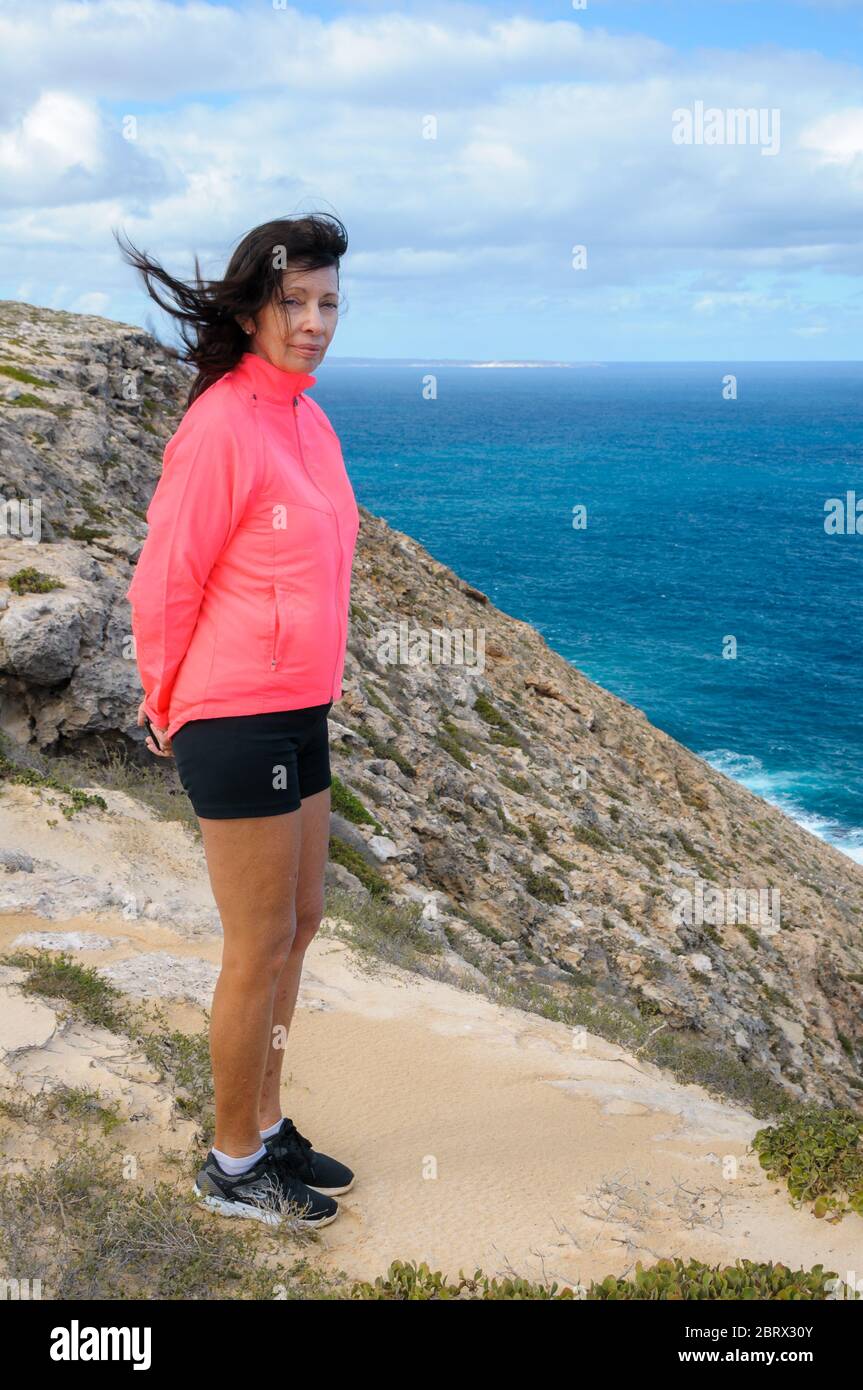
702, 586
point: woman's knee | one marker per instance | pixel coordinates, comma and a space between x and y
259, 959
308, 923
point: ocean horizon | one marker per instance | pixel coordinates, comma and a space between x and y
699, 582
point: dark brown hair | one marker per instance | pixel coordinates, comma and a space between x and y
208, 310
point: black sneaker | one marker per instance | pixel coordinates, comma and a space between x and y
318, 1171
268, 1192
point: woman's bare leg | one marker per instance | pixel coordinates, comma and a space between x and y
314, 816
253, 863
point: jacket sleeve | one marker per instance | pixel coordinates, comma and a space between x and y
208, 476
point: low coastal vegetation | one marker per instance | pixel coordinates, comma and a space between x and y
29, 580
819, 1154
90, 1229
76, 800
346, 803
93, 1231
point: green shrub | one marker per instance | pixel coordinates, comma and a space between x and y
389, 931
515, 784
449, 744
88, 533
73, 1103
667, 1280
184, 1061
20, 374
55, 975
819, 1153
544, 887
351, 859
409, 1282
704, 865
386, 748
502, 730
343, 800
589, 835
649, 855
28, 776
672, 1279
33, 581
538, 833
89, 1233
27, 398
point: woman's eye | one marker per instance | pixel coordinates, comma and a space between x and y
297, 301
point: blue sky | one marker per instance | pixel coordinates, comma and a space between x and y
185, 124
834, 29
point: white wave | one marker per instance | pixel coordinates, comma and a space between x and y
777, 788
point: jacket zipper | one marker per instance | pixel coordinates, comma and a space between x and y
275, 647
341, 547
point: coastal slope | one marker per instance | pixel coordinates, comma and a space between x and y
552, 838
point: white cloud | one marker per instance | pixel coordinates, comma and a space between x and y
57, 133
746, 300
95, 303
838, 138
548, 135
152, 50
811, 330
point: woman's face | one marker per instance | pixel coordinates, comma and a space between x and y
294, 330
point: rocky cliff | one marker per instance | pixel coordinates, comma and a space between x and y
552, 835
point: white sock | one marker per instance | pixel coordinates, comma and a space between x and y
235, 1166
273, 1129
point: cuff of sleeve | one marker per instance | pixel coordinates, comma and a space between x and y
158, 718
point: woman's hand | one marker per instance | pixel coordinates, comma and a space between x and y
163, 750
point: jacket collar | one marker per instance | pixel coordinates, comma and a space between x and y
270, 383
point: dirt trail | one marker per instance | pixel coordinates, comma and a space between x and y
480, 1135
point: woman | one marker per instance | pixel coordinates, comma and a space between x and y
239, 613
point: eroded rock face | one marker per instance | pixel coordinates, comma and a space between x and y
86, 407
557, 834
41, 640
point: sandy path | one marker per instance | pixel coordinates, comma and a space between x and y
481, 1136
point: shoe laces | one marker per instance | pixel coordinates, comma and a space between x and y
291, 1148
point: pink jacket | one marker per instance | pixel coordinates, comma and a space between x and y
240, 595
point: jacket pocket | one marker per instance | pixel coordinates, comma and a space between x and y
279, 625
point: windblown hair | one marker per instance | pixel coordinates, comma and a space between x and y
208, 310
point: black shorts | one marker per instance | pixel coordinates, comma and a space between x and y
254, 764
